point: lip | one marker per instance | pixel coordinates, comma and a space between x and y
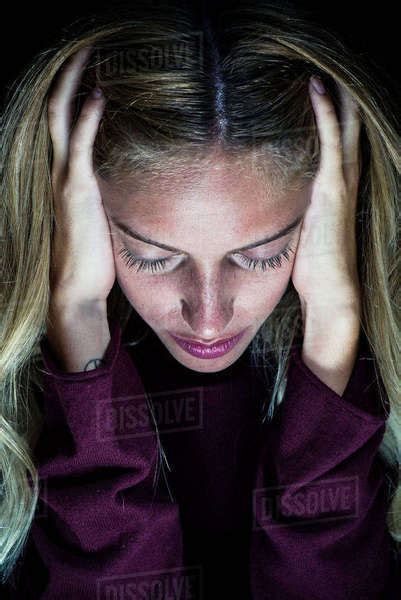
208, 350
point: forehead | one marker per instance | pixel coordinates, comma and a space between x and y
222, 196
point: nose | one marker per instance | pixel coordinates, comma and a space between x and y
207, 306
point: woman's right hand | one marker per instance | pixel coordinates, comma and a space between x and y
82, 261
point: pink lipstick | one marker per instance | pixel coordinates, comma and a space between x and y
208, 351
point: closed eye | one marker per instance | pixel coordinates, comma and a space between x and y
144, 264
157, 265
273, 262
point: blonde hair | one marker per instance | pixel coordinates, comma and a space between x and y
189, 85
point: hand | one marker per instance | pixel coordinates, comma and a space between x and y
325, 271
82, 262
325, 267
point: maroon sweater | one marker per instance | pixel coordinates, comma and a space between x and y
228, 506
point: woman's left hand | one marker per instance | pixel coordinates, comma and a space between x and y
325, 267
325, 271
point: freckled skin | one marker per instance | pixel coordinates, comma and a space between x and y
207, 296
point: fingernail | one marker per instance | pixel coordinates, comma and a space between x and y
317, 84
96, 92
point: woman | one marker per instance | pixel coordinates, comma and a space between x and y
200, 225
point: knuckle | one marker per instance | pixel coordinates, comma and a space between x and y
353, 167
329, 110
69, 188
86, 113
78, 186
73, 188
334, 181
88, 110
52, 107
77, 146
341, 186
337, 146
54, 181
353, 179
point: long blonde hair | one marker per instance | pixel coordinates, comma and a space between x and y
176, 82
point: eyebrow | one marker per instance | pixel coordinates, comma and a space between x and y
142, 238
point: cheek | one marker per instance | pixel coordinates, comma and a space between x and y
150, 297
263, 295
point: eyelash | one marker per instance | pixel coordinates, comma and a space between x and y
158, 264
274, 262
143, 264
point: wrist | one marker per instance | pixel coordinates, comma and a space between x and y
63, 305
343, 301
79, 334
329, 329
330, 345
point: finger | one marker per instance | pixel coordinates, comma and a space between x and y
60, 106
330, 166
350, 127
83, 136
